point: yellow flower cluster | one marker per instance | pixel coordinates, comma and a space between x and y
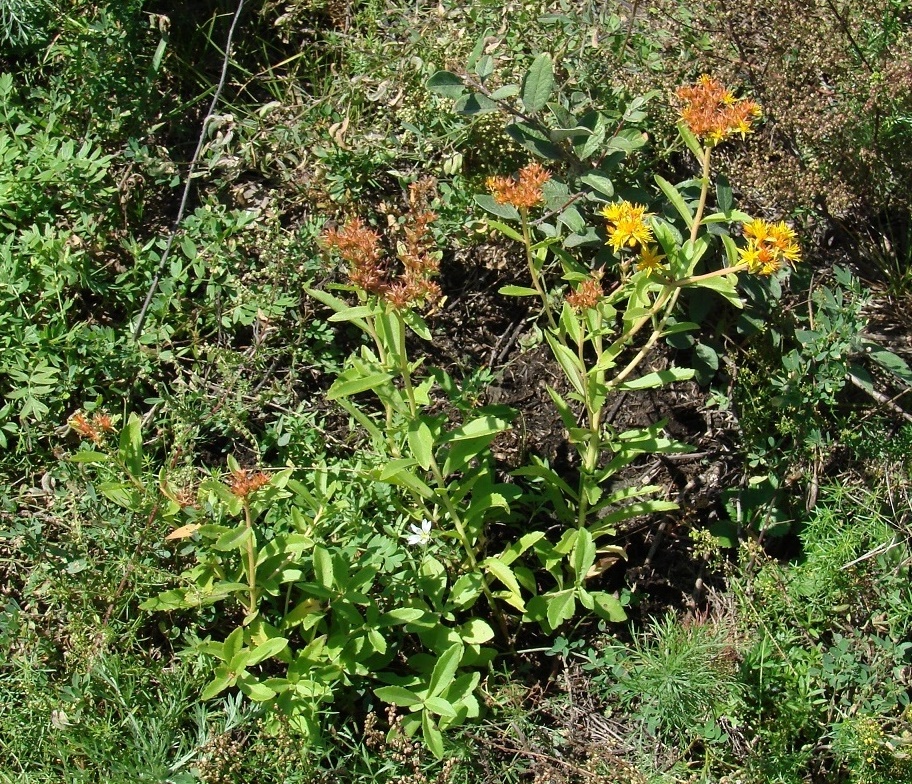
627, 228
627, 225
770, 246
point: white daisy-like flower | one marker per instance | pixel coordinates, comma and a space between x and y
420, 535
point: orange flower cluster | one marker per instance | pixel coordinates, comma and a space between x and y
522, 192
627, 225
359, 246
587, 295
713, 113
93, 429
244, 483
770, 246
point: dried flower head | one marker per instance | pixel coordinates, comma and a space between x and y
523, 192
627, 225
770, 246
359, 246
587, 295
244, 483
713, 113
650, 259
93, 429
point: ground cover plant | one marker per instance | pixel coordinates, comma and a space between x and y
495, 413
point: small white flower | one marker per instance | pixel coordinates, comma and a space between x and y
420, 535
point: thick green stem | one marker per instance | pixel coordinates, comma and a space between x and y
656, 334
536, 278
404, 367
684, 282
463, 536
594, 444
704, 193
251, 559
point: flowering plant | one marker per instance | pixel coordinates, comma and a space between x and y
613, 314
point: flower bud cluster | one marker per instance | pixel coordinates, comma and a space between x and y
523, 192
713, 114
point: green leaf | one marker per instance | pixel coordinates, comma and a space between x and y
188, 247
335, 304
693, 144
601, 184
475, 103
267, 650
559, 134
608, 607
481, 426
131, 452
507, 231
88, 457
445, 669
352, 314
234, 539
724, 285
232, 645
421, 442
476, 631
533, 139
397, 695
323, 566
488, 203
502, 572
447, 84
507, 91
440, 706
676, 199
517, 291
583, 555
466, 590
357, 384
431, 734
159, 54
484, 66
402, 615
731, 250
223, 679
570, 363
511, 553
657, 379
724, 194
561, 607
255, 690
538, 84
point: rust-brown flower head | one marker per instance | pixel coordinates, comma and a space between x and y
244, 483
587, 295
713, 114
359, 246
93, 429
522, 192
